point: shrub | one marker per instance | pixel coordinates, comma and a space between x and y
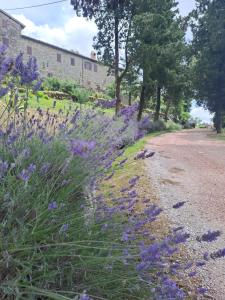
51, 224
51, 84
172, 126
66, 87
151, 126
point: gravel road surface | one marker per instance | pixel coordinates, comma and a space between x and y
190, 166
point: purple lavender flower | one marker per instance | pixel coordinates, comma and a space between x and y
52, 205
3, 91
202, 290
218, 254
32, 168
24, 175
206, 256
82, 148
132, 194
125, 237
27, 72
134, 180
84, 296
178, 228
105, 104
178, 205
153, 211
209, 237
200, 264
64, 228
37, 86
123, 190
110, 176
140, 155
123, 162
192, 274
169, 289
144, 154
26, 153
149, 154
180, 238
12, 139
45, 168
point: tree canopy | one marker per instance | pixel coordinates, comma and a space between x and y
208, 25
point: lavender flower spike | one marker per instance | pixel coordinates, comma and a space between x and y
209, 237
81, 148
179, 204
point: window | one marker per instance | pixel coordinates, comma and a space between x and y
88, 65
59, 57
5, 41
72, 61
50, 74
95, 68
29, 50
4, 23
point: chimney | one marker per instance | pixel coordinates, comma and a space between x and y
93, 55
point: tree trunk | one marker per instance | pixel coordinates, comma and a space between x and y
218, 121
142, 103
166, 118
158, 104
117, 75
142, 97
129, 99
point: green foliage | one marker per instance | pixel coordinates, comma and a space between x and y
81, 95
160, 53
110, 90
113, 40
172, 126
208, 25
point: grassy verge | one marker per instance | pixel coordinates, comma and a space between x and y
131, 168
214, 135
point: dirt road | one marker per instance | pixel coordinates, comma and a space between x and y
190, 166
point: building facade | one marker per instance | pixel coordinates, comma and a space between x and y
54, 61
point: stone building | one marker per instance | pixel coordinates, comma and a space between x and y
54, 61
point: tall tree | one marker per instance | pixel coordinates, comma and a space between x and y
208, 26
114, 20
159, 33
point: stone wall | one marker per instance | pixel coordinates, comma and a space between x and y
52, 60
10, 32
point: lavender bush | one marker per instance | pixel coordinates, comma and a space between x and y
60, 238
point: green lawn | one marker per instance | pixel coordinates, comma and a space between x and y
53, 105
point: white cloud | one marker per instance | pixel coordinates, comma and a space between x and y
75, 34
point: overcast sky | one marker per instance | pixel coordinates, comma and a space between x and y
58, 24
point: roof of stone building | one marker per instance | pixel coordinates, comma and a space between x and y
60, 48
10, 17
